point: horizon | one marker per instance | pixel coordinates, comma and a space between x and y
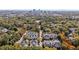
37, 9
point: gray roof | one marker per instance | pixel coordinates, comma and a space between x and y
34, 42
32, 35
72, 29
48, 36
56, 43
4, 30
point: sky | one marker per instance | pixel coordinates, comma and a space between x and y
40, 4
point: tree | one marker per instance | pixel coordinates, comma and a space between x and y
76, 43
